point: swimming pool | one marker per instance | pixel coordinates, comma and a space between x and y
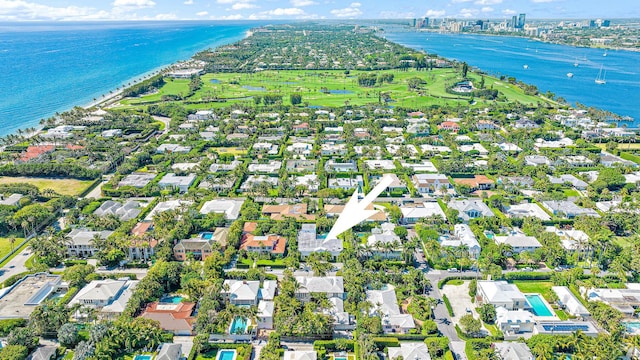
206, 235
226, 355
171, 299
538, 305
238, 325
632, 327
142, 357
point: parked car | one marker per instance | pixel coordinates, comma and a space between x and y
453, 270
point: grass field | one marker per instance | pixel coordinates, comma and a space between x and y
60, 186
344, 89
231, 150
5, 245
541, 287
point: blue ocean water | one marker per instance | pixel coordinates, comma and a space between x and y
51, 67
547, 66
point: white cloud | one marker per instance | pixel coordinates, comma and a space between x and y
227, 17
301, 3
488, 2
509, 12
541, 1
23, 10
468, 13
435, 13
460, 1
188, 2
202, 13
242, 6
487, 9
396, 15
349, 12
139, 4
169, 16
284, 12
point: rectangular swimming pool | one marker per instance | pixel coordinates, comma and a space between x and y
142, 357
226, 355
538, 306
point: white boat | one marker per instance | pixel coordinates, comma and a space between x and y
576, 64
525, 66
569, 75
600, 80
605, 53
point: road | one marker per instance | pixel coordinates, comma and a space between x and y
15, 265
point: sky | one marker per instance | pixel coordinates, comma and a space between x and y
83, 10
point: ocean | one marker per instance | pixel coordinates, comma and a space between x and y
547, 66
51, 67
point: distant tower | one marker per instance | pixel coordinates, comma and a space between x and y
521, 21
514, 22
426, 22
606, 23
414, 22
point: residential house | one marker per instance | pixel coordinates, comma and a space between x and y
575, 161
108, 297
411, 215
470, 209
301, 166
169, 351
333, 149
384, 242
222, 167
486, 125
552, 144
625, 300
333, 166
449, 126
266, 309
229, 207
478, 182
346, 183
525, 124
572, 240
308, 242
125, 212
200, 247
270, 244
518, 241
569, 302
335, 211
432, 149
254, 180
508, 147
300, 355
138, 180
332, 286
514, 323
568, 209
430, 183
474, 147
423, 166
272, 167
419, 130
265, 147
395, 185
20, 299
385, 305
299, 148
241, 292
81, 244
536, 160
181, 182
528, 209
11, 200
166, 206
202, 115
280, 212
568, 179
174, 318
509, 350
309, 181
501, 293
173, 148
462, 236
380, 164
409, 351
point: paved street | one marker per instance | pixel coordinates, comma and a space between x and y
15, 265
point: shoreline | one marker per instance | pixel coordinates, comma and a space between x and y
100, 101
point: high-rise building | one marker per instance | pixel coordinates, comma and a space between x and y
514, 22
592, 23
414, 22
606, 23
521, 21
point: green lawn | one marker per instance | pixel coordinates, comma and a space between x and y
71, 187
455, 282
208, 355
231, 150
562, 315
5, 245
571, 193
493, 330
541, 287
236, 87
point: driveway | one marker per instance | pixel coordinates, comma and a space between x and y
186, 342
15, 265
459, 299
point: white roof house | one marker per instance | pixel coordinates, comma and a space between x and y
265, 313
300, 355
513, 351
127, 211
138, 180
333, 286
181, 182
410, 351
568, 209
385, 305
518, 241
570, 179
173, 148
513, 323
501, 293
225, 167
470, 208
380, 164
229, 207
471, 147
528, 209
167, 205
257, 179
109, 296
241, 292
308, 242
423, 166
411, 215
462, 235
572, 240
570, 302
270, 168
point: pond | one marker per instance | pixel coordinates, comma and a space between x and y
254, 88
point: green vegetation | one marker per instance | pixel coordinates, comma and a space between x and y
70, 187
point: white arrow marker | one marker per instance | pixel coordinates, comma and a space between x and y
355, 211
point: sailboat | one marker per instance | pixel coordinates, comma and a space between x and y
600, 80
569, 75
605, 53
525, 66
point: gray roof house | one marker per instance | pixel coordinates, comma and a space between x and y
568, 209
43, 353
81, 244
470, 209
169, 351
109, 296
127, 211
570, 179
182, 182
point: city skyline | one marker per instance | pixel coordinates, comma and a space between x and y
94, 10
